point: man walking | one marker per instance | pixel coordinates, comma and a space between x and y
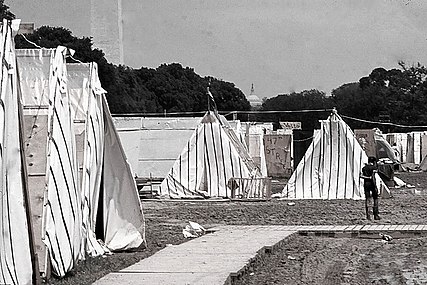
368, 172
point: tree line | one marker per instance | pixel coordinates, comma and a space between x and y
391, 97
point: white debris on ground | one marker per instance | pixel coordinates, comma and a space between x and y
385, 238
193, 230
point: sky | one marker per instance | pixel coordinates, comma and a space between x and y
280, 46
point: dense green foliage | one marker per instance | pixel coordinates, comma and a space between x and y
305, 100
168, 88
396, 95
171, 88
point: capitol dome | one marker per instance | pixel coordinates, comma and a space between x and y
253, 99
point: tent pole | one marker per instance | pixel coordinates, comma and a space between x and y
24, 174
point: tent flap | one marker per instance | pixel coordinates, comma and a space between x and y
62, 207
124, 226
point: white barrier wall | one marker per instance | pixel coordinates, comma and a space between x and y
153, 144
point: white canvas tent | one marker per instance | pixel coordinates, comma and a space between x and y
401, 141
214, 163
86, 102
62, 209
51, 158
331, 166
123, 220
58, 108
423, 164
103, 159
18, 264
384, 150
416, 147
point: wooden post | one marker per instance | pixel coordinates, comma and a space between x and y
27, 205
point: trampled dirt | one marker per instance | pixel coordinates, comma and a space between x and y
325, 260
302, 259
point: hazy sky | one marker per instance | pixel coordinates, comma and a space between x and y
280, 46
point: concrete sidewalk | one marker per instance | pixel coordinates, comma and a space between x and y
217, 257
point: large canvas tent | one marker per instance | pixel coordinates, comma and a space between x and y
214, 163
50, 156
70, 183
18, 264
331, 166
103, 159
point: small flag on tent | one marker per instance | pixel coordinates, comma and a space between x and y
211, 100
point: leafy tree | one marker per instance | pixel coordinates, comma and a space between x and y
228, 97
180, 89
395, 95
51, 37
305, 100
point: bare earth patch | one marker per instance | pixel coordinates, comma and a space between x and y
324, 260
302, 259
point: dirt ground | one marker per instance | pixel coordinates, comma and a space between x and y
302, 260
323, 260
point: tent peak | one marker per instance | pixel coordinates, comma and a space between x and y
334, 111
209, 118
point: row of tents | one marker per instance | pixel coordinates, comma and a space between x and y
67, 190
404, 148
409, 147
214, 158
154, 143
